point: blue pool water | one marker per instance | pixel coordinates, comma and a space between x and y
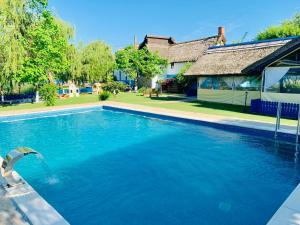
116, 168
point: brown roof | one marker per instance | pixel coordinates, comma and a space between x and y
233, 59
188, 51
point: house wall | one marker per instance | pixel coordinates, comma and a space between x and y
175, 70
228, 96
281, 97
122, 77
233, 97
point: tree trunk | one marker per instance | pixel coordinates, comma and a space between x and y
2, 96
136, 84
37, 97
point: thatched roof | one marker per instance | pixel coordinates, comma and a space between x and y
259, 66
188, 51
233, 59
158, 44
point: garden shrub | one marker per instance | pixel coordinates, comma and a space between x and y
114, 87
48, 93
104, 95
142, 90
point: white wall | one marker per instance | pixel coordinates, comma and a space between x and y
175, 70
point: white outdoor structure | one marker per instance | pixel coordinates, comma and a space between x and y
73, 91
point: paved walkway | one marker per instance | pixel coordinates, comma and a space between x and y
8, 212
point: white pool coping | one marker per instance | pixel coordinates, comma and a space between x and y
39, 212
289, 212
35, 209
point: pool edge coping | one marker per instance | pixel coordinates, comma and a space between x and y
33, 208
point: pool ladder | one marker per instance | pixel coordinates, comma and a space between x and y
278, 118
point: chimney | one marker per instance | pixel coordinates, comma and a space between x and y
221, 36
221, 31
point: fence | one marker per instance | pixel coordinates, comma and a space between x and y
288, 110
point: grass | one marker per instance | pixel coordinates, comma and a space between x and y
69, 101
232, 111
166, 102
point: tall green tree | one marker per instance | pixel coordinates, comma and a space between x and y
140, 62
97, 62
285, 29
12, 52
47, 46
74, 71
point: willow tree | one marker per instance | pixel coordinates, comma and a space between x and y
12, 27
97, 62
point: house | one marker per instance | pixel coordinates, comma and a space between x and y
124, 78
177, 54
239, 73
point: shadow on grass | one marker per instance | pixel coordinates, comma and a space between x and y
222, 106
167, 98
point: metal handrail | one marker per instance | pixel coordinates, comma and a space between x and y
298, 127
278, 117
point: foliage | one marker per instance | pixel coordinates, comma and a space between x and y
142, 90
74, 71
285, 29
104, 95
12, 27
97, 62
47, 45
140, 62
181, 79
48, 93
114, 87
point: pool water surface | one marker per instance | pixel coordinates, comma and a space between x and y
107, 167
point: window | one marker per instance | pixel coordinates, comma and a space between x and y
217, 83
120, 75
289, 83
247, 83
172, 65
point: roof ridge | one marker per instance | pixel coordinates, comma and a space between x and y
200, 39
267, 41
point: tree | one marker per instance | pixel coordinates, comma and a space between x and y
136, 63
74, 71
97, 62
181, 79
285, 29
46, 46
12, 24
48, 93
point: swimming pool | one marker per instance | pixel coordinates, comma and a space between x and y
110, 167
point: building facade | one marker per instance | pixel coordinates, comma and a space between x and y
238, 73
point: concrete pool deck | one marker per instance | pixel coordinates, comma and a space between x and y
288, 214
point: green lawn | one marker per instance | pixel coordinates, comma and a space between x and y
70, 101
197, 106
166, 102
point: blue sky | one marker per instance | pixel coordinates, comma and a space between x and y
117, 21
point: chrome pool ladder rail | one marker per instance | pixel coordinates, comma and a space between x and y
278, 117
298, 126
